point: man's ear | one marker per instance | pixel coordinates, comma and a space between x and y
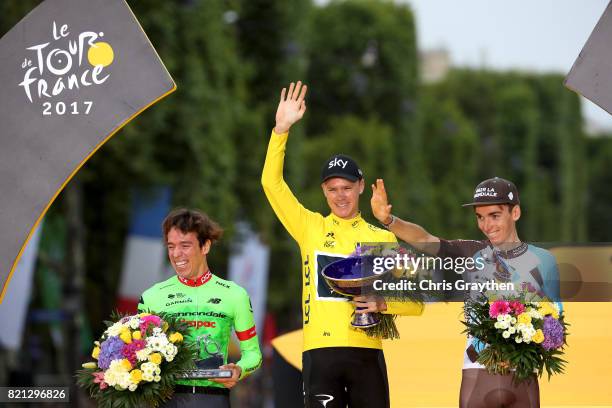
206, 247
516, 213
361, 186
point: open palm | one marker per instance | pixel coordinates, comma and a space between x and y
379, 202
291, 107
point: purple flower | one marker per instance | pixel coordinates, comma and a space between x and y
553, 333
110, 349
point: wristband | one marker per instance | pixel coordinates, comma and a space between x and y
390, 222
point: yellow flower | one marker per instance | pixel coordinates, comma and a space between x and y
546, 308
155, 358
144, 314
136, 335
95, 352
524, 318
90, 364
136, 376
165, 327
126, 335
176, 337
125, 363
538, 337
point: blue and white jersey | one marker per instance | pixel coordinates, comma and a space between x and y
524, 264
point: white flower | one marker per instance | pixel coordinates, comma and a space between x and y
170, 350
507, 318
124, 380
147, 377
518, 339
535, 314
143, 354
169, 358
148, 368
132, 387
134, 322
506, 334
512, 330
500, 317
115, 329
157, 331
513, 320
497, 325
157, 378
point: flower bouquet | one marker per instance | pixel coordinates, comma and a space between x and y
138, 359
524, 334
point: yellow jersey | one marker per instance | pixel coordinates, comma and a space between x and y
322, 240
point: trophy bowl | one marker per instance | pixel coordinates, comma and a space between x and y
354, 276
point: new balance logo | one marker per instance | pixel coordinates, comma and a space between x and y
215, 301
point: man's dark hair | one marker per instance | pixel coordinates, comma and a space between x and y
186, 220
503, 205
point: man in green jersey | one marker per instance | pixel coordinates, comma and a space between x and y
210, 305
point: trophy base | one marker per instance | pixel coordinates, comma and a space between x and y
365, 320
202, 374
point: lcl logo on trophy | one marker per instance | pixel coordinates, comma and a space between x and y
68, 61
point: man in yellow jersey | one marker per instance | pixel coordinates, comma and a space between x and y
341, 365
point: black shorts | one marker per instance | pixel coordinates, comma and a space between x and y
188, 397
337, 376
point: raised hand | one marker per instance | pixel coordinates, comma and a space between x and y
379, 202
291, 107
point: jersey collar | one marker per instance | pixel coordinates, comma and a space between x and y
196, 282
353, 222
512, 253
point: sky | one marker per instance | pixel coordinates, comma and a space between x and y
534, 35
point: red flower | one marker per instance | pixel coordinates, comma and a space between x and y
499, 307
129, 350
517, 307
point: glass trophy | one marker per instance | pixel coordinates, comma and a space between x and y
207, 367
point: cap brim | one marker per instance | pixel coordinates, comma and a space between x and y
479, 203
341, 175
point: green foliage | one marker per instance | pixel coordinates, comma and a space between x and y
526, 128
599, 154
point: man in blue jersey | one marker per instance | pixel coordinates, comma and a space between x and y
506, 259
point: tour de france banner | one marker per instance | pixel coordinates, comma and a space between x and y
591, 75
73, 72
